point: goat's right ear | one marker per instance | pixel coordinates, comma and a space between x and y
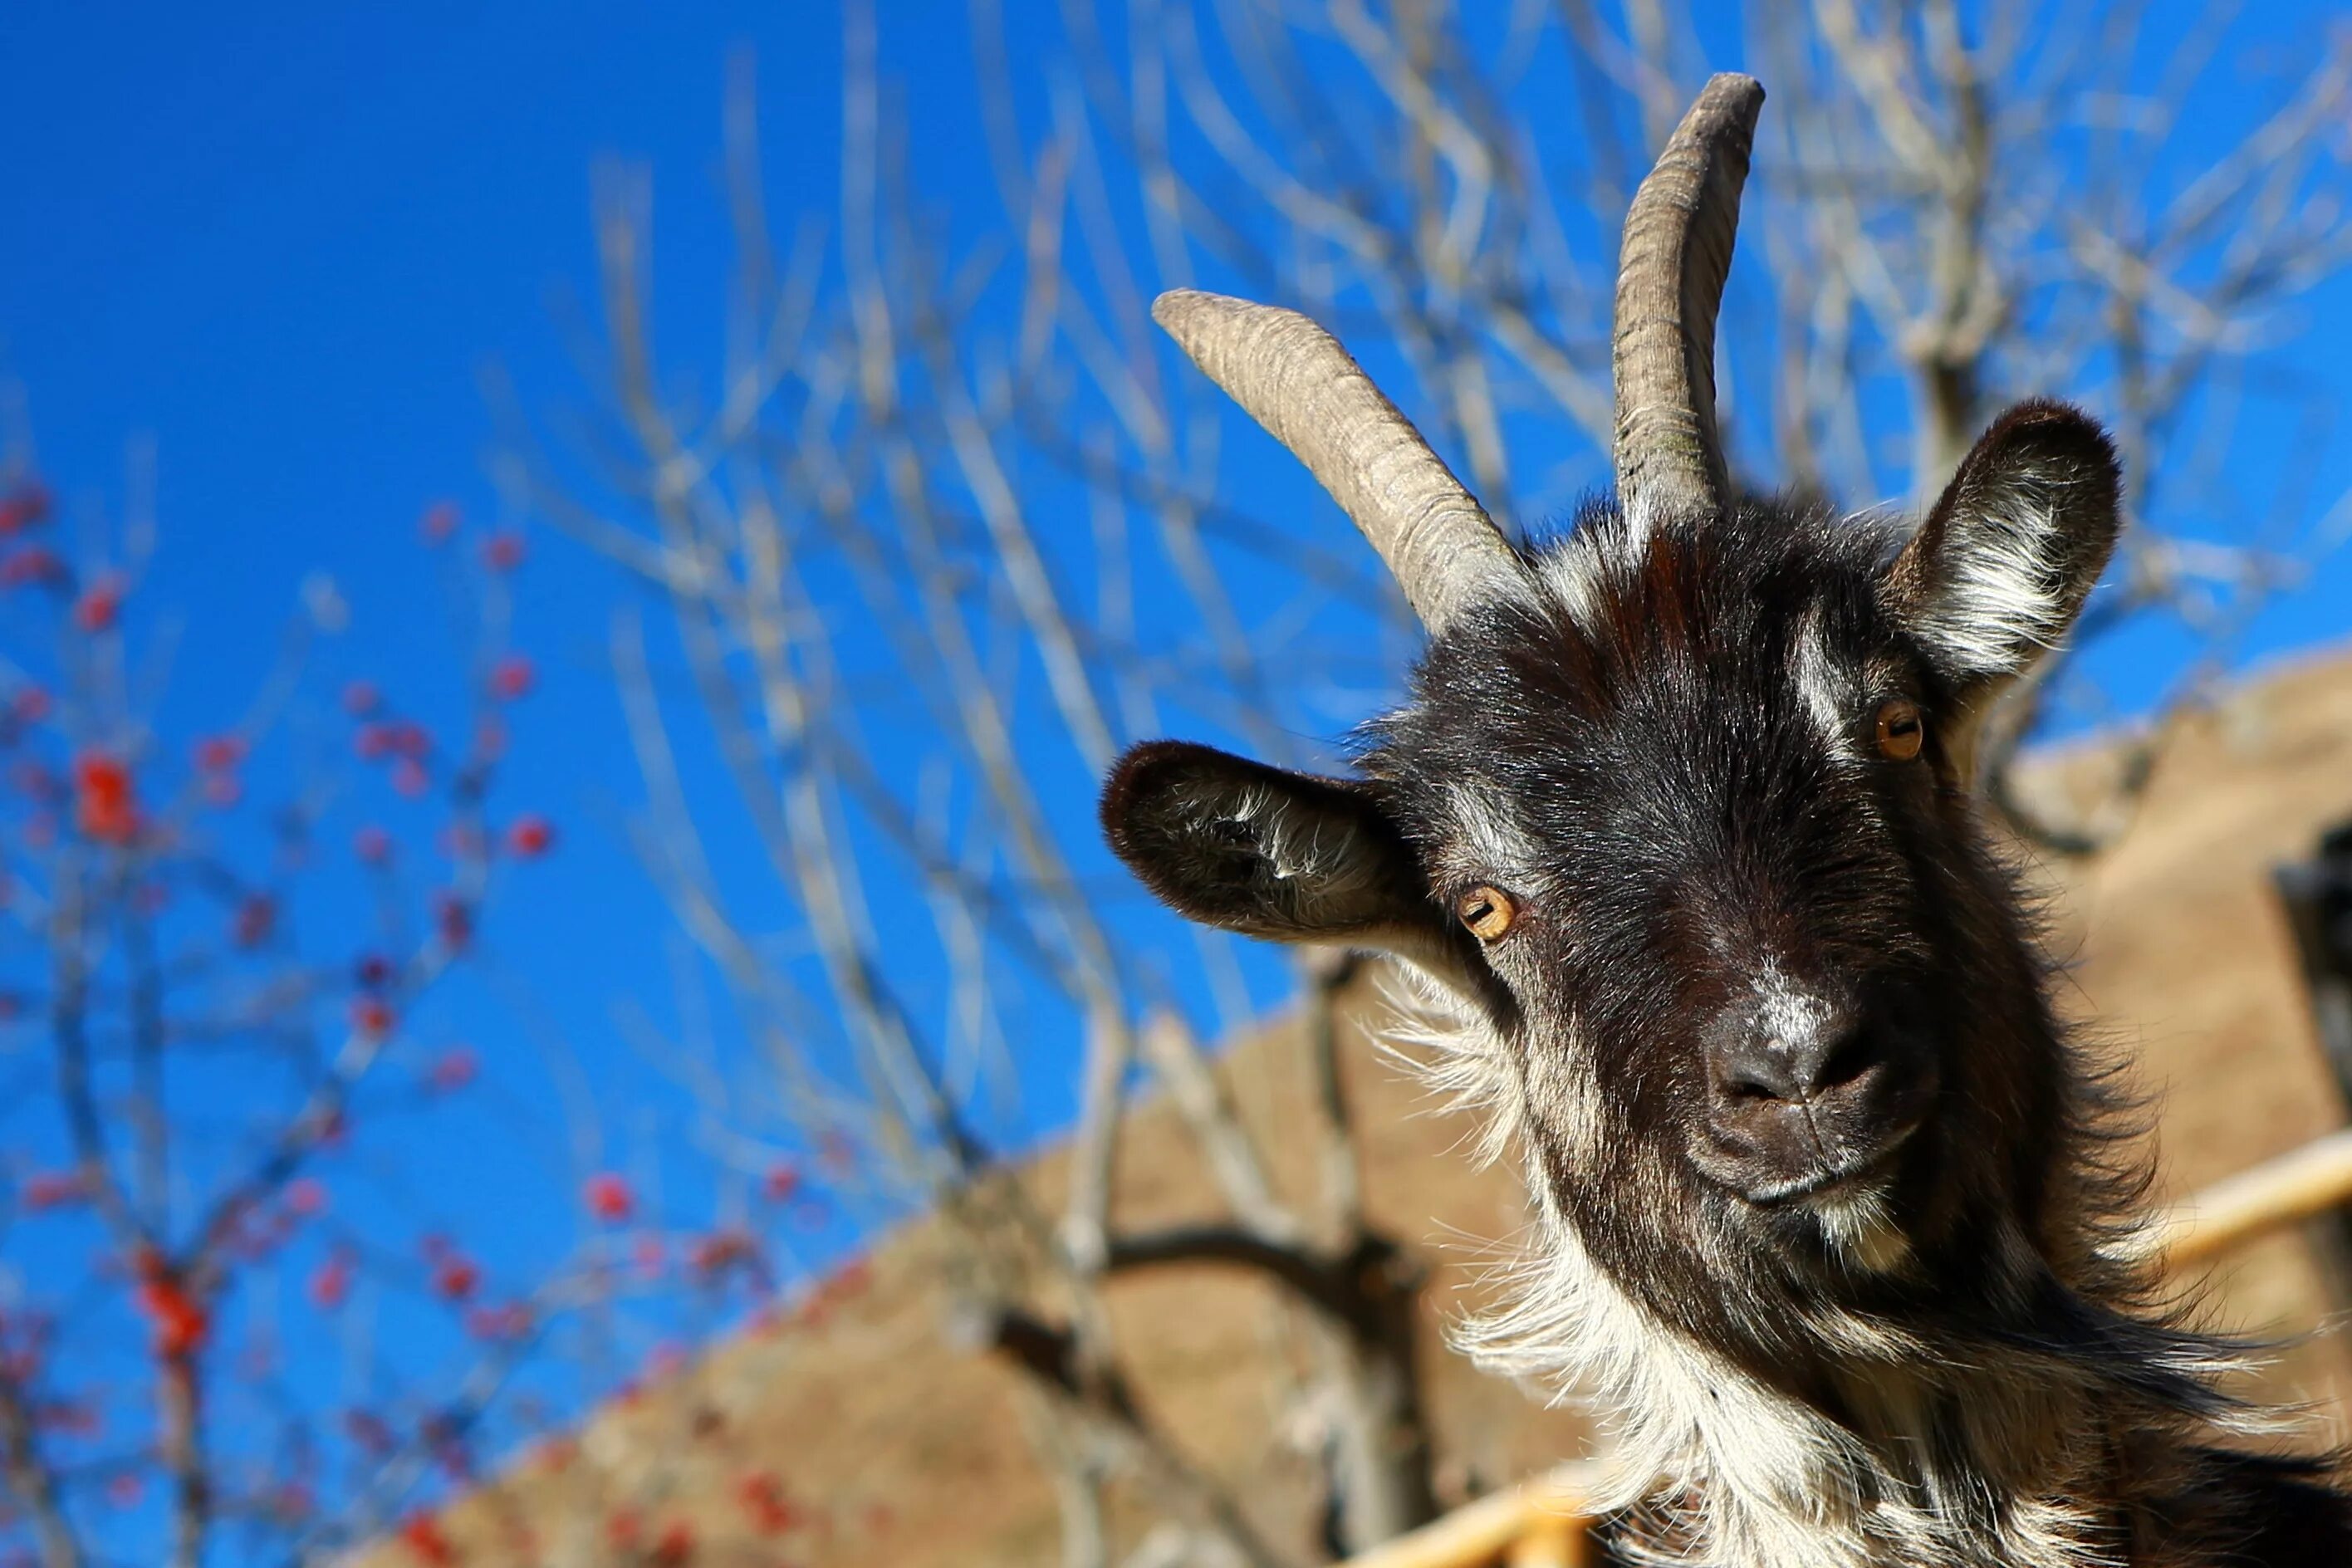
1995, 576
1286, 857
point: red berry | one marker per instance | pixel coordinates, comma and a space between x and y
714, 1257
453, 1069
52, 1189
330, 1283
22, 507
104, 807
372, 845
30, 565
512, 677
529, 836
502, 551
762, 1495
100, 602
425, 1539
362, 698
676, 1547
181, 1322
439, 521
609, 1198
456, 1277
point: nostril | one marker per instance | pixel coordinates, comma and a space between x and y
1760, 1073
1847, 1059
1764, 1069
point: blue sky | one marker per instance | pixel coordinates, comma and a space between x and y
285, 243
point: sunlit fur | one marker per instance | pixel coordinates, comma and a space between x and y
1664, 750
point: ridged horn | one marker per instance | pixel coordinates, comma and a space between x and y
1670, 273
1295, 379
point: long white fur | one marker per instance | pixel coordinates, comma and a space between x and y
1767, 1483
1999, 609
1574, 577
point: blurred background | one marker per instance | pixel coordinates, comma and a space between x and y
568, 573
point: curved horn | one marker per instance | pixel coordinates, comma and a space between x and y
1295, 379
1670, 272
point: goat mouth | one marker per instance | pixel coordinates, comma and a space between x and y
1840, 1180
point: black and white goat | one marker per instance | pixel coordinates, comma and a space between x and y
1678, 824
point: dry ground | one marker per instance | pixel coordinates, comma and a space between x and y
2183, 959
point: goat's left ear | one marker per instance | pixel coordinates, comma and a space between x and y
1995, 576
1273, 854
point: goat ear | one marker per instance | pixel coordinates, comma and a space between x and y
1995, 576
1284, 855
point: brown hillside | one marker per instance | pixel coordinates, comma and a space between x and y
2183, 957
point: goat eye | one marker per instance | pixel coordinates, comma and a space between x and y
1901, 731
1488, 912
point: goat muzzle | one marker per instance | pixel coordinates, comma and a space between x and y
1798, 1106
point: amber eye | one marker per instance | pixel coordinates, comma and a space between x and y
1488, 912
1901, 731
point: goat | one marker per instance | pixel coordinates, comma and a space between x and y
1676, 830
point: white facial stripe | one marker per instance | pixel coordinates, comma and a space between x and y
1828, 694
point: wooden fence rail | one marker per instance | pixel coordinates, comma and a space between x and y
1540, 1523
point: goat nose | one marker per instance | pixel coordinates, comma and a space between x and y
1762, 1065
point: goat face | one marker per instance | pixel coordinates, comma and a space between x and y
1682, 817
1679, 810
